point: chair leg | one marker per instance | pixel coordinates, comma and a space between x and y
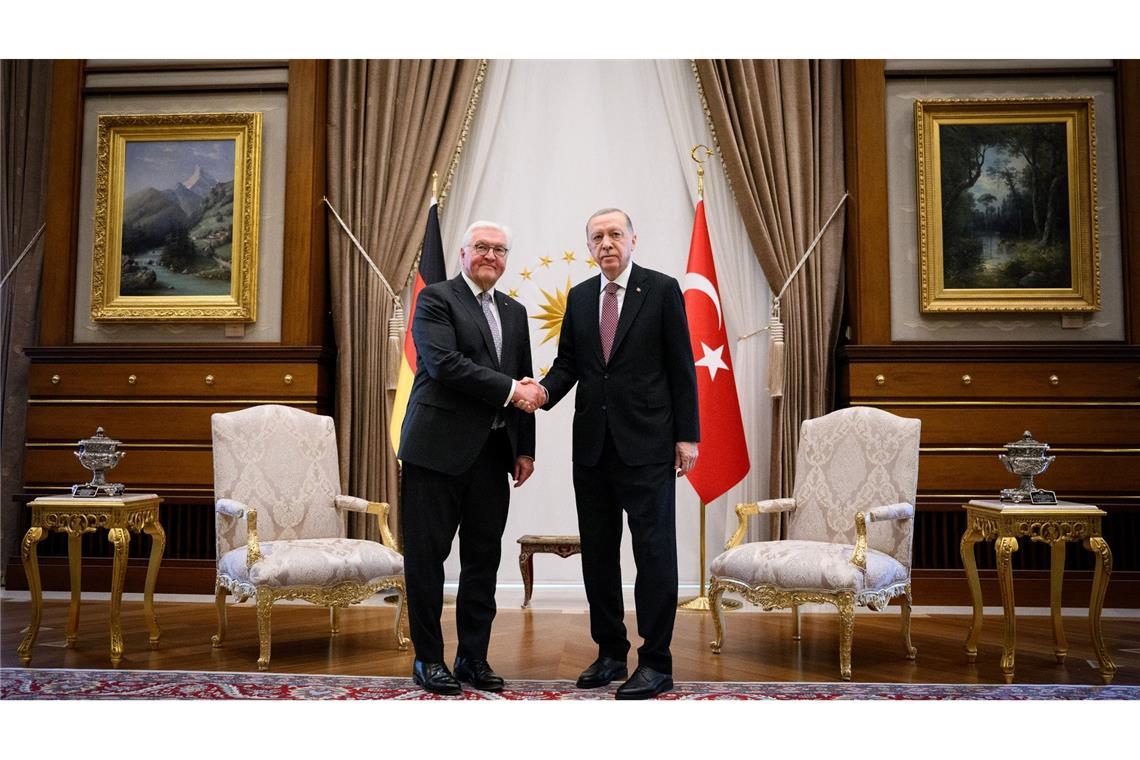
911, 652
716, 591
219, 605
334, 621
264, 609
796, 636
846, 605
401, 608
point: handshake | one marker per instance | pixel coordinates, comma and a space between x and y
529, 395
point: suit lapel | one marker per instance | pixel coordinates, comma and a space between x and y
635, 292
508, 316
467, 298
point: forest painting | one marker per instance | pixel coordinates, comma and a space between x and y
176, 217
1005, 194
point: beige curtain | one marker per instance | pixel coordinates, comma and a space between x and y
391, 123
779, 130
25, 95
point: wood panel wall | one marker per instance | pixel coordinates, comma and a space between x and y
158, 399
973, 397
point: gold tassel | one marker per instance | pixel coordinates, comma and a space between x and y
395, 344
775, 352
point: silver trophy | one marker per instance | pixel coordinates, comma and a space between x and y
98, 454
1027, 459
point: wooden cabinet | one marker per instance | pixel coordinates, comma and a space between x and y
160, 411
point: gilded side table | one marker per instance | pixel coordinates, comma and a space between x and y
119, 516
1054, 525
563, 546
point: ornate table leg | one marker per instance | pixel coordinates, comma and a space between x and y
1099, 547
121, 539
157, 545
1056, 576
526, 567
1005, 547
32, 571
75, 566
969, 538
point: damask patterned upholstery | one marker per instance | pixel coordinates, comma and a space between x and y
856, 461
280, 522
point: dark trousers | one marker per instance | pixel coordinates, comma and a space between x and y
435, 505
646, 494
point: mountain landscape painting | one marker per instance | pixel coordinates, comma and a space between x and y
178, 218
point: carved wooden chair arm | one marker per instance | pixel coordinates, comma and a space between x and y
899, 511
744, 511
378, 508
237, 510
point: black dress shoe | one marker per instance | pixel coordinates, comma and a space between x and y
645, 683
477, 673
604, 670
436, 678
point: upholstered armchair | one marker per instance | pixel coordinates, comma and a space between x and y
849, 527
280, 521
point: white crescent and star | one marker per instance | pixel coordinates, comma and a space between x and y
712, 360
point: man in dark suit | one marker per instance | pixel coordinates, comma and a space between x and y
460, 441
625, 342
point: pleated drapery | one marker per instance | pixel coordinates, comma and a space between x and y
391, 123
25, 100
779, 129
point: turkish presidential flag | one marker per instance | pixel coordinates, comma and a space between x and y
723, 456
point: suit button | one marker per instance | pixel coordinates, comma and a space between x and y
605, 377
603, 407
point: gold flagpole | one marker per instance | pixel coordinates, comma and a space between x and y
700, 602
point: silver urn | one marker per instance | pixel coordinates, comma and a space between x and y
1027, 459
98, 454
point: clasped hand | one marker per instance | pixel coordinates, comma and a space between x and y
529, 395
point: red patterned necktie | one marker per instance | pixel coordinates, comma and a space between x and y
609, 319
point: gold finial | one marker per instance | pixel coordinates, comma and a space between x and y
435, 185
700, 168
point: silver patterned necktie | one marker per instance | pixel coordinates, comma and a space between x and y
609, 321
496, 335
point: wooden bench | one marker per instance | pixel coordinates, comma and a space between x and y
563, 546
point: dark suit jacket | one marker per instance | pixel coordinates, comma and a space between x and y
459, 384
647, 394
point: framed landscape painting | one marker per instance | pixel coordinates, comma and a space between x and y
176, 217
1007, 205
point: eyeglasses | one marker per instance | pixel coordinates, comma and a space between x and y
483, 249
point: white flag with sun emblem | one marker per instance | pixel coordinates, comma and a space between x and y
542, 283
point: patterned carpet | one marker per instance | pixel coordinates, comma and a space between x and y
32, 683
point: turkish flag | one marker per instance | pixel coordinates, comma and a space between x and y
723, 457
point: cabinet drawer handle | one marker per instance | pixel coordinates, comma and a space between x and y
55, 379
880, 380
209, 379
288, 379
966, 379
1054, 380
132, 379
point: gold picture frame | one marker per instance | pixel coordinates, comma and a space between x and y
176, 217
1007, 213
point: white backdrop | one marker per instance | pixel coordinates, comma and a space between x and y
552, 142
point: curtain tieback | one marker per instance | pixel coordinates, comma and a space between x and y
776, 327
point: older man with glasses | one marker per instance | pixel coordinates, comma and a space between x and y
465, 435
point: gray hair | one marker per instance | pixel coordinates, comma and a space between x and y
467, 236
628, 221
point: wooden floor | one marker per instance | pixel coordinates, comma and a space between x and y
555, 644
